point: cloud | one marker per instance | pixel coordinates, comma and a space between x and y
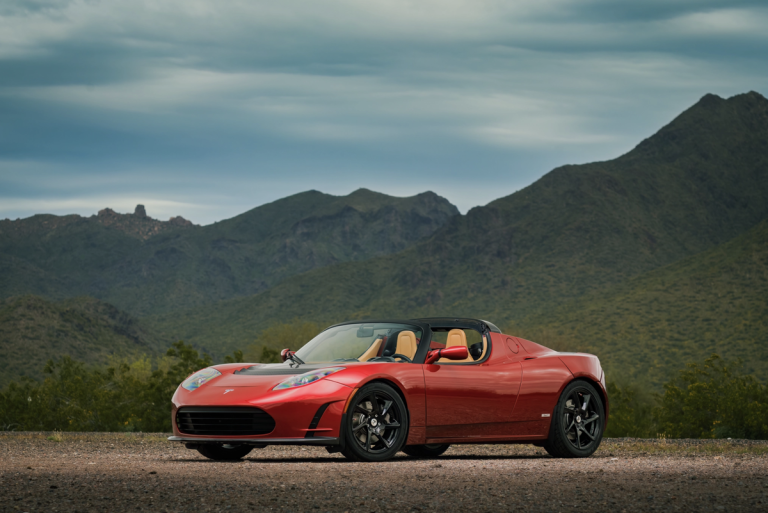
236, 103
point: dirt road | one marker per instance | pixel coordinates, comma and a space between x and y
129, 472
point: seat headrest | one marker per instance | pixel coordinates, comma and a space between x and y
406, 344
456, 338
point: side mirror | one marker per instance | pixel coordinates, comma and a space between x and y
284, 354
451, 353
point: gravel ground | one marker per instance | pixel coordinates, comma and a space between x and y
141, 472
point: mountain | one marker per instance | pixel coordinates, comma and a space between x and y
33, 330
695, 184
646, 328
146, 266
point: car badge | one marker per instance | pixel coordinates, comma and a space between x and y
228, 391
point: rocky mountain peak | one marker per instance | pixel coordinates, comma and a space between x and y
139, 224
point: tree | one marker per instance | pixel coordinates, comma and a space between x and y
714, 400
180, 361
631, 412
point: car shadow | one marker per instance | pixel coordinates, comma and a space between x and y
396, 459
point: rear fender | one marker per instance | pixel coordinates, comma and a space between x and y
587, 367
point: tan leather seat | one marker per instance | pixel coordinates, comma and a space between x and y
406, 344
456, 338
485, 348
372, 351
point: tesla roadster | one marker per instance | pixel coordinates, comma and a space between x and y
369, 389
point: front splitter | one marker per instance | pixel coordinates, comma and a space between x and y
318, 440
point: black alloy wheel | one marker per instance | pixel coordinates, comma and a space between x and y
376, 424
577, 424
224, 452
425, 451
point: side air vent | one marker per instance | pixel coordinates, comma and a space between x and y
244, 421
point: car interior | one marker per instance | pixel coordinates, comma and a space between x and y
476, 344
405, 343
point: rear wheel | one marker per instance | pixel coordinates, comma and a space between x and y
224, 452
577, 423
425, 451
376, 424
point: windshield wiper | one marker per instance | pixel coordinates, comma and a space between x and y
287, 354
292, 356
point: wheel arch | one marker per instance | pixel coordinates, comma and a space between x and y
586, 367
392, 384
597, 386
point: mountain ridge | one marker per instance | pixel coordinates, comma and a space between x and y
577, 229
125, 259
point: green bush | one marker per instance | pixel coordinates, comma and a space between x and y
125, 396
714, 400
631, 412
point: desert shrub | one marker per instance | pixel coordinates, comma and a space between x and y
631, 411
124, 396
715, 399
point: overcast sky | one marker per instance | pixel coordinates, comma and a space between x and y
207, 108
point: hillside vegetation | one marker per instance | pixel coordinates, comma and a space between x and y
33, 330
714, 302
144, 266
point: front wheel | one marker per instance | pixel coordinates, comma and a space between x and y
577, 423
376, 424
425, 451
224, 452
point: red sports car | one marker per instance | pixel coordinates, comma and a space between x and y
369, 389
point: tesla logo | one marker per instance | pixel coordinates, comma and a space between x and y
228, 391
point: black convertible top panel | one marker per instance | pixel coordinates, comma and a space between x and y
457, 322
439, 322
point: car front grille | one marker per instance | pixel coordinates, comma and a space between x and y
244, 421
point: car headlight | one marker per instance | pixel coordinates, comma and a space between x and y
307, 378
199, 378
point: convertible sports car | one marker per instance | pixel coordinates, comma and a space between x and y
369, 389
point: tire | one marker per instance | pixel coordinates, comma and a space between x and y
376, 424
221, 452
575, 431
425, 451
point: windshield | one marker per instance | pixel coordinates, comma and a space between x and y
363, 343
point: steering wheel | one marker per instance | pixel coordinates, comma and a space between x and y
398, 355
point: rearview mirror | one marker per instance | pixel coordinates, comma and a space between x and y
451, 353
365, 331
284, 354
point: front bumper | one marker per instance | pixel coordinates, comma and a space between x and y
306, 415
